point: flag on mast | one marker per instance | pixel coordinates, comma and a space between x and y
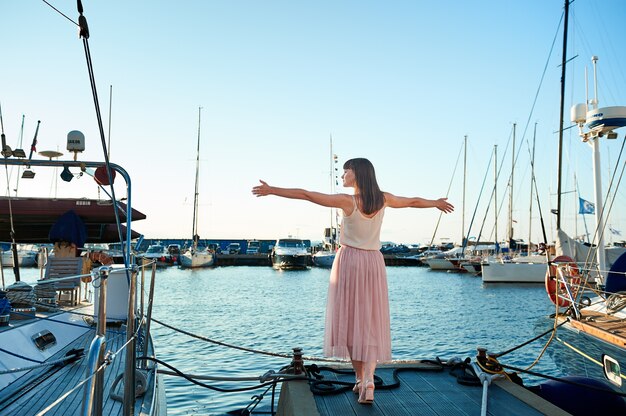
586, 207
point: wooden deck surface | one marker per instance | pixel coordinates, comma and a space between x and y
38, 388
609, 328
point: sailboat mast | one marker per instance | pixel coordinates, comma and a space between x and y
532, 176
495, 195
510, 220
195, 194
334, 222
597, 183
560, 147
463, 242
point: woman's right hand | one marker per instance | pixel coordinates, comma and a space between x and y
262, 190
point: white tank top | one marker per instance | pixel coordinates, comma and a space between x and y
361, 232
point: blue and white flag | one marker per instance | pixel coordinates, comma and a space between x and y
586, 207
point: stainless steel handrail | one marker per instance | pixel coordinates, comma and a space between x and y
566, 285
129, 371
94, 390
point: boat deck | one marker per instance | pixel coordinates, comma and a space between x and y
608, 328
39, 388
421, 391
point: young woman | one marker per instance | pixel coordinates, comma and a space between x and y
357, 311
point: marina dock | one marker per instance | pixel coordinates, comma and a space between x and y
264, 260
422, 389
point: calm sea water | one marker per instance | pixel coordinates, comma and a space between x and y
432, 314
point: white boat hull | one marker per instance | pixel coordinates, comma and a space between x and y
197, 259
23, 259
441, 264
514, 272
324, 259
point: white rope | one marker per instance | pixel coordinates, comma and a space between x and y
486, 379
32, 367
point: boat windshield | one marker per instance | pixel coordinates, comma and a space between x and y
155, 249
290, 244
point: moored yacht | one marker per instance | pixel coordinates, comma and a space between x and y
524, 269
591, 316
290, 253
61, 353
25, 257
54, 357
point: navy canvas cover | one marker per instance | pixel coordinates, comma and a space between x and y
69, 227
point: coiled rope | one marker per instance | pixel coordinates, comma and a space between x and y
20, 295
616, 302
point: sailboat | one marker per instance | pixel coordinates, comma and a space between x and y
197, 257
592, 341
451, 260
518, 269
326, 257
56, 346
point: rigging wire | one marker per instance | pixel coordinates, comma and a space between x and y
60, 12
482, 187
456, 164
599, 233
493, 190
6, 152
84, 34
528, 120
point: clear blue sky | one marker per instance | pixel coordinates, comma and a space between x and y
398, 82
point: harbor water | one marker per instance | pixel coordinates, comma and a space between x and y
433, 314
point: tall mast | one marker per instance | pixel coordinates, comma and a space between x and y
495, 194
334, 222
532, 177
597, 176
560, 147
195, 195
510, 220
463, 242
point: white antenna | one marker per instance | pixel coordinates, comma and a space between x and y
594, 59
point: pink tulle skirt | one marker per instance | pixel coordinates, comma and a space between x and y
357, 313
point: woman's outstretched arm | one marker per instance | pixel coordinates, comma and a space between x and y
342, 201
394, 201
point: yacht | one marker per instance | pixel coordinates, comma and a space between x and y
290, 253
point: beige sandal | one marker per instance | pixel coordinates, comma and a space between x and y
367, 393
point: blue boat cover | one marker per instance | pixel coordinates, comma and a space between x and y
70, 228
616, 279
598, 398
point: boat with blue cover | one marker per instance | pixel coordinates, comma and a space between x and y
61, 352
587, 283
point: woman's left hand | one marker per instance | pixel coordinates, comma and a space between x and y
444, 205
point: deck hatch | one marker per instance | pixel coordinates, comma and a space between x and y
44, 339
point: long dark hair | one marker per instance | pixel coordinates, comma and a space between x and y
371, 197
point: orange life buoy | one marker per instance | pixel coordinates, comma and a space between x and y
100, 257
571, 274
